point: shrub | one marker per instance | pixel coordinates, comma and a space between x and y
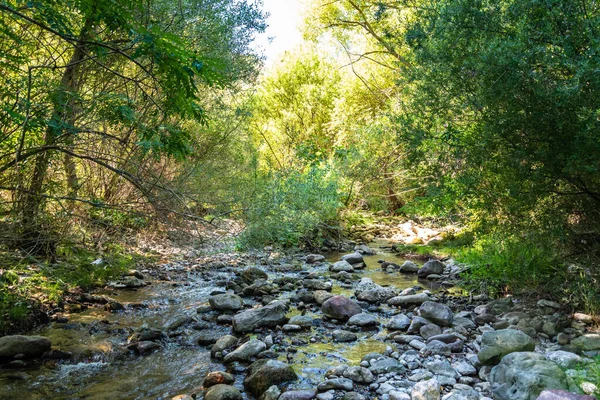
292, 208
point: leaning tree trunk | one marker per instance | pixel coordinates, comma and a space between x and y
34, 239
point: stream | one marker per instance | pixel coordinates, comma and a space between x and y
101, 366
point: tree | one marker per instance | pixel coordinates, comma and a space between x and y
109, 86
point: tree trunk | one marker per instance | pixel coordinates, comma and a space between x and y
34, 239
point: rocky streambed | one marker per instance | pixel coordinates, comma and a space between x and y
356, 325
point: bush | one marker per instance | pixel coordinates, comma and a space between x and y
292, 208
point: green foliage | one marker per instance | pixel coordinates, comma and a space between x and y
292, 208
588, 372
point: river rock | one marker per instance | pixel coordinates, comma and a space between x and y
321, 296
303, 321
252, 274
565, 359
497, 344
359, 375
426, 390
223, 343
314, 258
364, 249
306, 394
29, 346
246, 351
336, 384
208, 336
437, 313
222, 392
341, 266
409, 267
429, 268
217, 378
263, 374
340, 307
398, 322
562, 395
342, 336
385, 365
587, 342
270, 315
226, 302
409, 300
523, 375
376, 295
363, 320
353, 258
463, 393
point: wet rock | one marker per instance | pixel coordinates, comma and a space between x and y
426, 390
114, 305
409, 300
268, 316
265, 373
246, 351
307, 394
359, 375
223, 343
251, 274
363, 320
364, 249
217, 378
341, 266
29, 346
336, 384
353, 258
429, 268
409, 267
399, 322
340, 307
497, 344
523, 375
208, 336
437, 313
587, 342
223, 392
226, 302
145, 348
272, 393
342, 336
131, 282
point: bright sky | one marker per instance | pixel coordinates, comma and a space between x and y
284, 21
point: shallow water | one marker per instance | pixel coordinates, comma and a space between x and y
100, 369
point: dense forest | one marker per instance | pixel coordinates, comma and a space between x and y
123, 118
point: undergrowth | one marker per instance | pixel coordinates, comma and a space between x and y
30, 289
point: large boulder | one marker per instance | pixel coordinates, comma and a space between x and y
497, 344
263, 374
222, 392
431, 267
524, 375
226, 302
268, 316
437, 313
29, 346
409, 300
340, 307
